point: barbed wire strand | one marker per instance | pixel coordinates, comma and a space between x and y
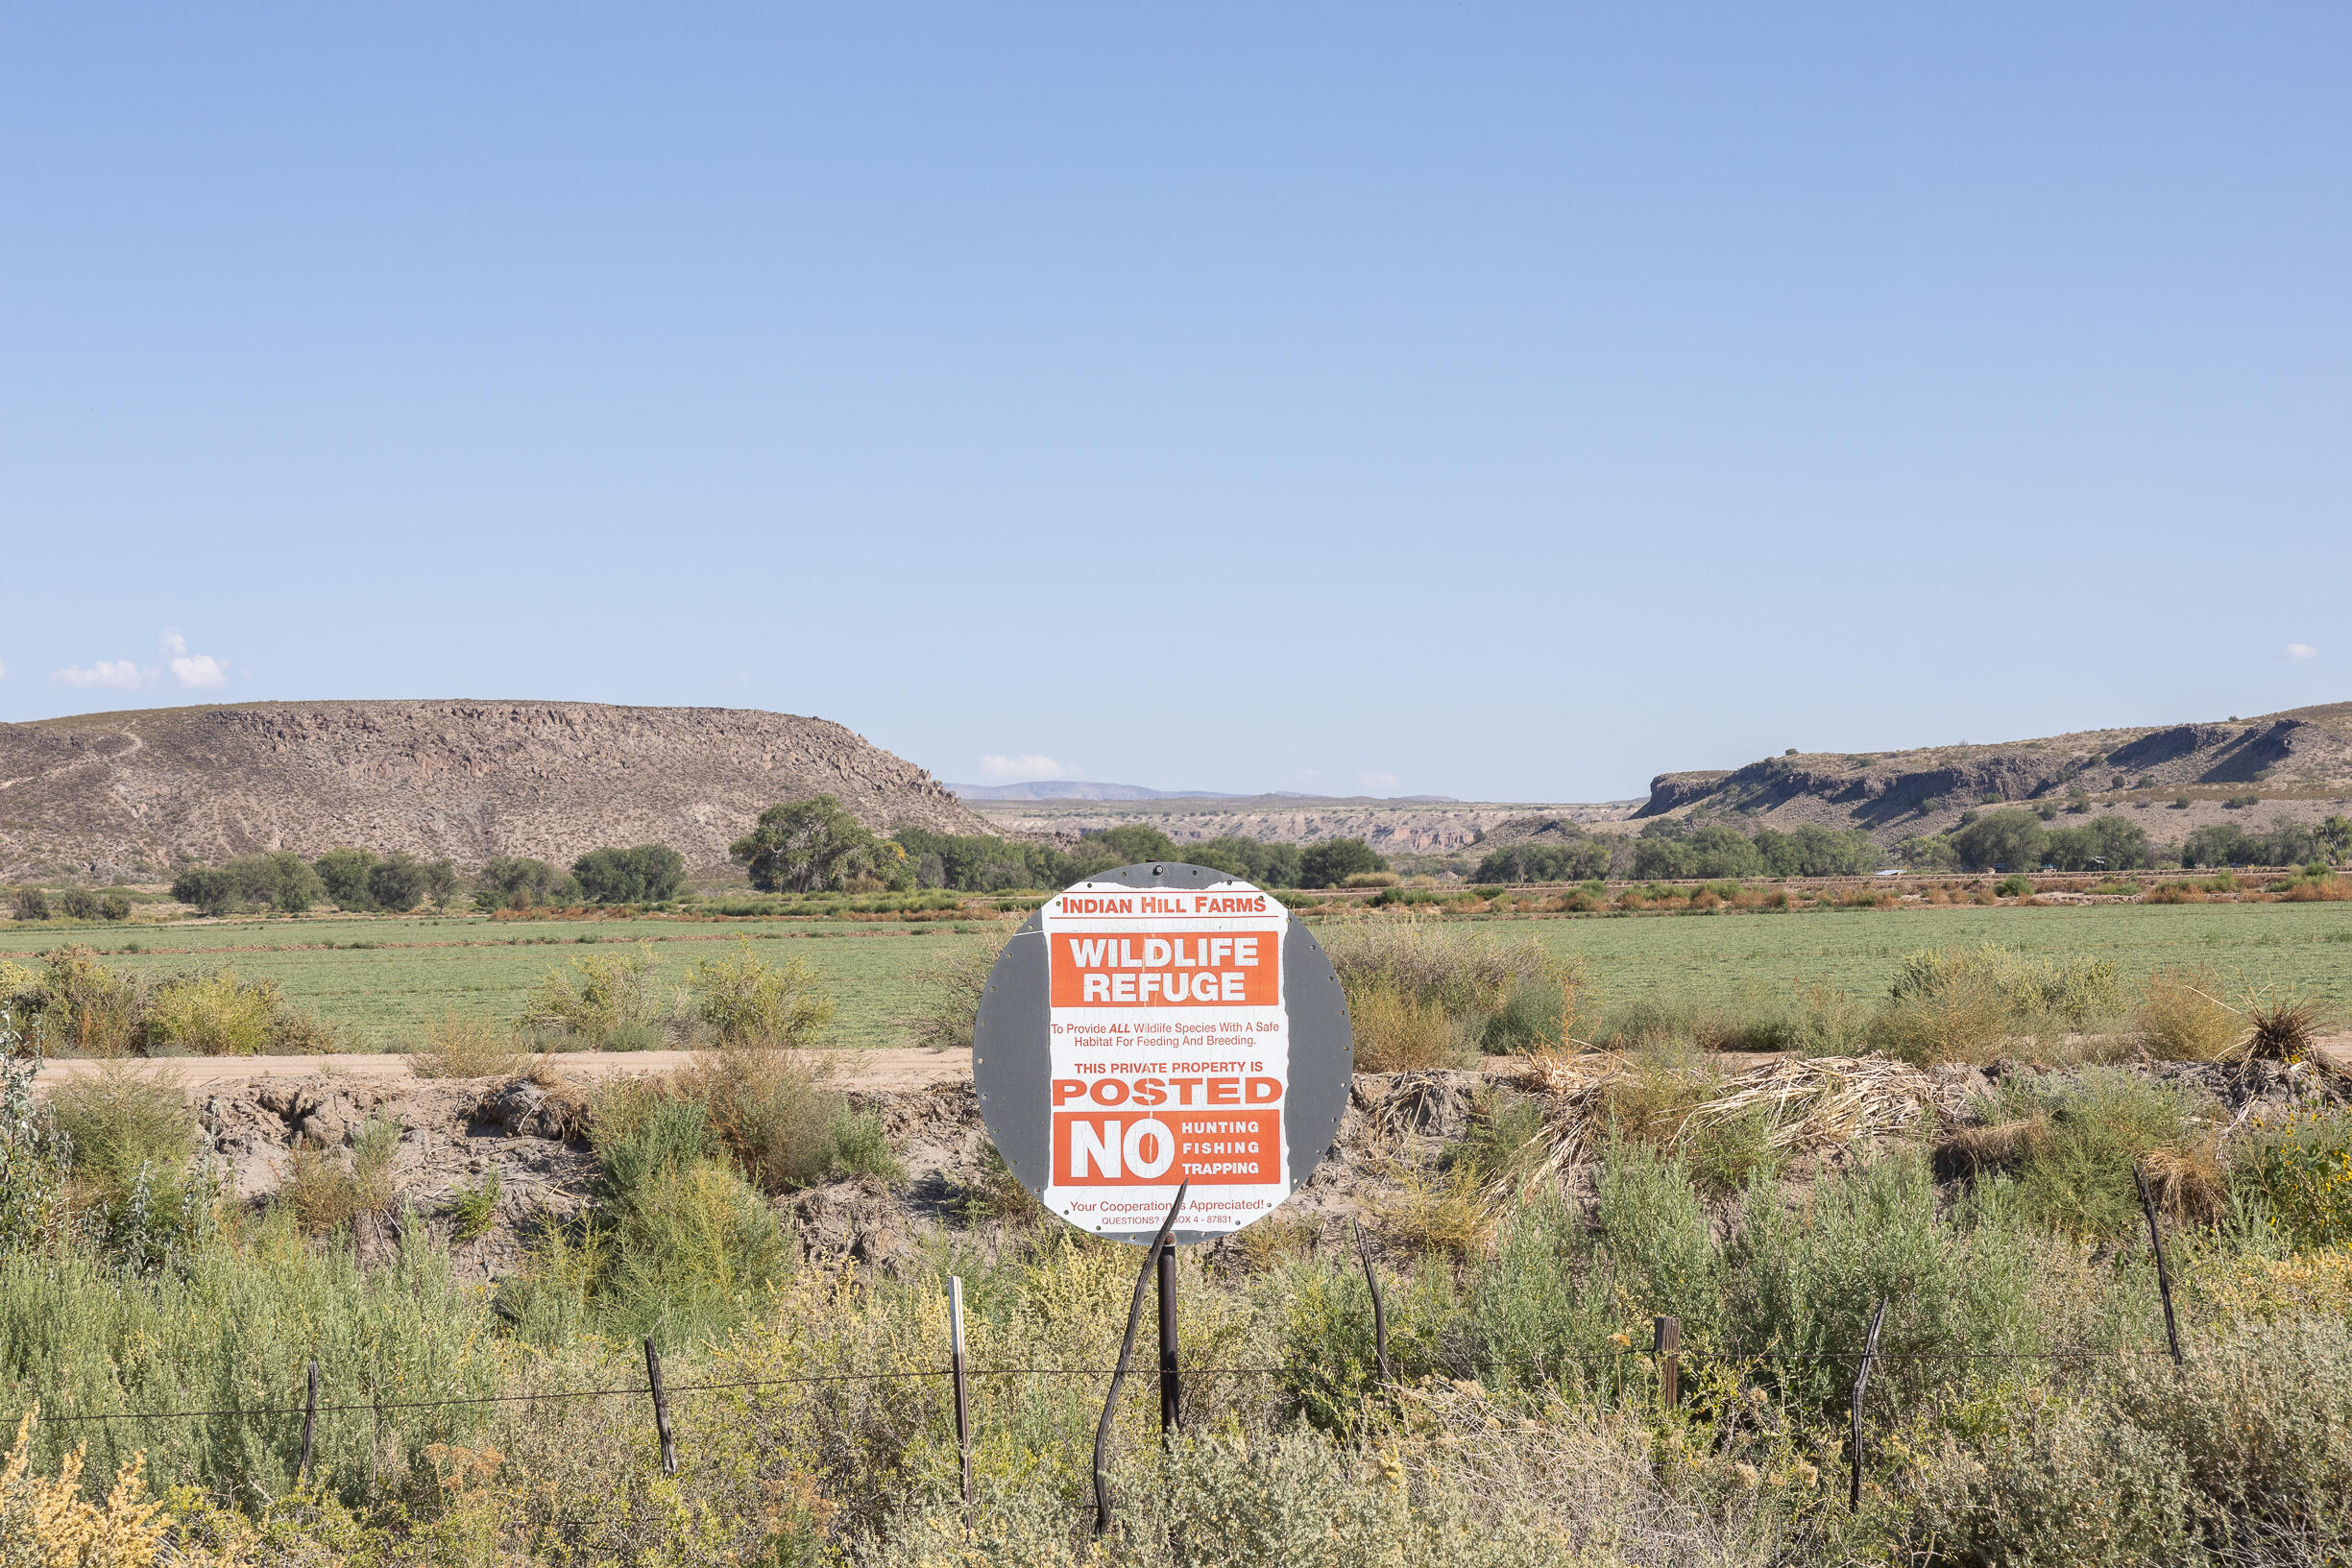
1692, 1353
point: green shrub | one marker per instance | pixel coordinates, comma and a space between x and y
2242, 1455
1332, 861
648, 873
1422, 994
2072, 1165
516, 882
29, 903
398, 882
741, 999
770, 1110
344, 874
79, 1008
212, 891
474, 1207
329, 1188
213, 1014
2300, 1169
856, 1147
607, 1000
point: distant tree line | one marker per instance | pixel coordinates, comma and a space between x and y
814, 846
360, 881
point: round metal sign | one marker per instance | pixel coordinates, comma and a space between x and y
1158, 1024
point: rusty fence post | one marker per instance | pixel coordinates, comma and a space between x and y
2163, 1274
1127, 1354
310, 1419
661, 1409
1380, 1316
957, 1370
1861, 1382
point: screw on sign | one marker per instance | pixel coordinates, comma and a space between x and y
1161, 1050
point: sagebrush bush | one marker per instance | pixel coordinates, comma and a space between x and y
2082, 1140
74, 1006
771, 1110
119, 1121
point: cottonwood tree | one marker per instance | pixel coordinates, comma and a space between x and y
814, 846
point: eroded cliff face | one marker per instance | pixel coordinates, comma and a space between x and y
117, 794
2302, 759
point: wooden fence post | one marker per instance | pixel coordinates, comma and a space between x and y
1380, 1316
955, 1368
1666, 1342
661, 1409
1862, 1380
1127, 1354
2164, 1275
311, 1418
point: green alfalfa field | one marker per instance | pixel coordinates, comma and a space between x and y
380, 980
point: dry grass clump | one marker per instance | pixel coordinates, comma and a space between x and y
1971, 1004
1991, 1148
1422, 994
2186, 1182
2283, 1030
329, 1188
948, 995
465, 1048
2181, 1019
1452, 1214
1730, 1124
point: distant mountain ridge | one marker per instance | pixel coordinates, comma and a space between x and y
1074, 790
112, 795
2298, 763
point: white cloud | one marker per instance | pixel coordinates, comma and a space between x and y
119, 674
201, 673
192, 671
2301, 650
1022, 769
1377, 780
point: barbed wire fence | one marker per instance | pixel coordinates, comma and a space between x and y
1664, 1360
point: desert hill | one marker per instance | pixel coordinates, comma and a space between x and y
2297, 763
113, 795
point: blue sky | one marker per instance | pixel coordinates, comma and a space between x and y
1504, 403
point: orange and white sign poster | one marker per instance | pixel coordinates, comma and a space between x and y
1171, 1054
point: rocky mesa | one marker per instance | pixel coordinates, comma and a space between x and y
123, 795
2298, 762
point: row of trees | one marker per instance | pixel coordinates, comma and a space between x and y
362, 882
2016, 839
815, 846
